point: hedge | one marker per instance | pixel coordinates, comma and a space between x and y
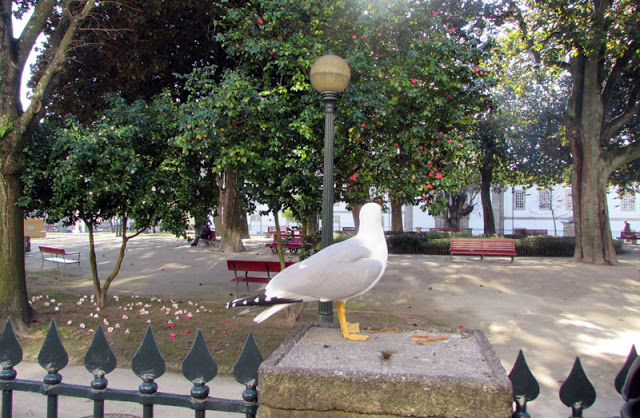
438, 243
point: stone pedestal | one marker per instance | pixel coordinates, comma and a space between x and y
429, 372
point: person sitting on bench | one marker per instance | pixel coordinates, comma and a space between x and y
203, 234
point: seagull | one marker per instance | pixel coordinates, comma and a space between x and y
338, 272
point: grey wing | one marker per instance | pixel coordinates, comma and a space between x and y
335, 273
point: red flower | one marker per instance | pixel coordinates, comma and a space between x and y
429, 165
439, 175
421, 147
354, 37
429, 186
354, 177
476, 69
260, 21
424, 39
362, 125
414, 81
186, 331
430, 174
172, 335
424, 197
397, 145
363, 37
435, 13
461, 326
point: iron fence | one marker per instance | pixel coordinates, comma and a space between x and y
148, 364
577, 392
199, 368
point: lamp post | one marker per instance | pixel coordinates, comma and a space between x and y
329, 75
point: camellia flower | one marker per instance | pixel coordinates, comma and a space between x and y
260, 21
439, 175
172, 335
82, 326
110, 329
69, 322
127, 331
186, 331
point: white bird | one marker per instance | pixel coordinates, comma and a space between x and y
337, 273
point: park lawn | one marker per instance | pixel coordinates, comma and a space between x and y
175, 323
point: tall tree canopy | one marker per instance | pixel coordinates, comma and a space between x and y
597, 42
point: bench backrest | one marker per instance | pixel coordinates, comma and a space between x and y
629, 234
51, 250
483, 244
250, 265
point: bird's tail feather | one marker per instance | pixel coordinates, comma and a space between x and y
271, 311
259, 300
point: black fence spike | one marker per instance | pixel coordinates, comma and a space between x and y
148, 363
631, 387
53, 357
199, 367
624, 371
10, 349
525, 386
99, 359
246, 368
577, 392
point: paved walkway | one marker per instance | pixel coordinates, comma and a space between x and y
551, 308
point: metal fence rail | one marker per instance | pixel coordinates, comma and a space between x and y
577, 392
148, 364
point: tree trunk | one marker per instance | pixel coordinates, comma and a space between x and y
486, 175
14, 301
584, 117
232, 232
355, 210
396, 217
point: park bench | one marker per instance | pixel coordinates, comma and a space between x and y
351, 229
482, 247
271, 230
59, 256
292, 244
211, 240
444, 229
529, 232
630, 236
252, 266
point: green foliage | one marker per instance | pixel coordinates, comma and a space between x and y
121, 165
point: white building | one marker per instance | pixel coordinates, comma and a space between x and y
515, 208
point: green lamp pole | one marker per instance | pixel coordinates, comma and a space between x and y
329, 75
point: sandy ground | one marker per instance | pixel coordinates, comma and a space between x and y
551, 308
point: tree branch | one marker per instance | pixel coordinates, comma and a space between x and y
55, 63
35, 26
616, 72
631, 109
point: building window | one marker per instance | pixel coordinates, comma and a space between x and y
568, 199
518, 199
629, 202
545, 199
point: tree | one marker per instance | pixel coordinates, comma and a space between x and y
61, 20
597, 43
134, 48
419, 81
123, 165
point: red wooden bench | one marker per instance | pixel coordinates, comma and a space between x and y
482, 247
271, 230
630, 236
444, 229
211, 240
289, 242
59, 256
252, 266
528, 232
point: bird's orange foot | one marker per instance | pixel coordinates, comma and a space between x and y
356, 337
353, 328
